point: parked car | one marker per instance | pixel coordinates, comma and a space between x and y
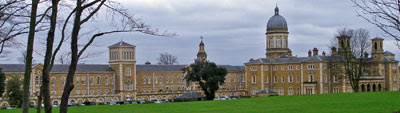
158, 101
225, 98
123, 102
87, 103
141, 101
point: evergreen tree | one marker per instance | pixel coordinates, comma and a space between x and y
14, 92
208, 75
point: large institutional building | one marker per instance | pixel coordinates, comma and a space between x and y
123, 79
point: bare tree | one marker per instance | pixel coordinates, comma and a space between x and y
352, 44
28, 64
86, 10
384, 14
167, 59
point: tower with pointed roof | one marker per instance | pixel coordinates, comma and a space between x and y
277, 36
201, 55
122, 59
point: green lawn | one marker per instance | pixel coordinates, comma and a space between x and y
377, 102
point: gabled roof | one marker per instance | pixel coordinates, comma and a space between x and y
61, 68
388, 53
266, 91
190, 95
121, 43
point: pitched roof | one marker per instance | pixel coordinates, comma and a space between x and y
121, 43
92, 68
178, 68
266, 90
61, 68
189, 95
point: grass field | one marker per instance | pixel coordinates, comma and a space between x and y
377, 102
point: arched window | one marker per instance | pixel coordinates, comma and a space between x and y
290, 79
376, 45
311, 78
77, 81
98, 80
284, 45
53, 81
144, 80
83, 80
179, 79
278, 43
36, 80
63, 81
106, 81
271, 43
283, 79
275, 79
91, 80
160, 80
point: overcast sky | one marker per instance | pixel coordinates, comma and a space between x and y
233, 30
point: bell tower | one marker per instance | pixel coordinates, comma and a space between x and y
344, 44
377, 49
122, 58
201, 55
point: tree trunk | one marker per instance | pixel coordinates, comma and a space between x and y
74, 58
29, 51
39, 102
48, 57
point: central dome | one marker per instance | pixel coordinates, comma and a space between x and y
277, 22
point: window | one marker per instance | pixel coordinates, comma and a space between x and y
128, 85
155, 80
335, 66
53, 93
53, 81
78, 92
98, 80
297, 79
91, 80
77, 81
36, 80
394, 67
149, 80
290, 67
106, 91
278, 43
98, 92
310, 66
275, 79
283, 79
144, 80
290, 79
335, 79
253, 68
83, 80
266, 79
112, 80
160, 80
298, 91
282, 67
290, 91
167, 80
172, 79
325, 67
275, 68
271, 43
281, 91
326, 78
91, 92
106, 81
253, 79
297, 67
84, 92
335, 90
128, 71
311, 78
284, 45
229, 78
179, 79
265, 68
63, 81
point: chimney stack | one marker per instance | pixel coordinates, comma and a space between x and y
315, 52
147, 63
323, 53
290, 53
309, 53
333, 51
